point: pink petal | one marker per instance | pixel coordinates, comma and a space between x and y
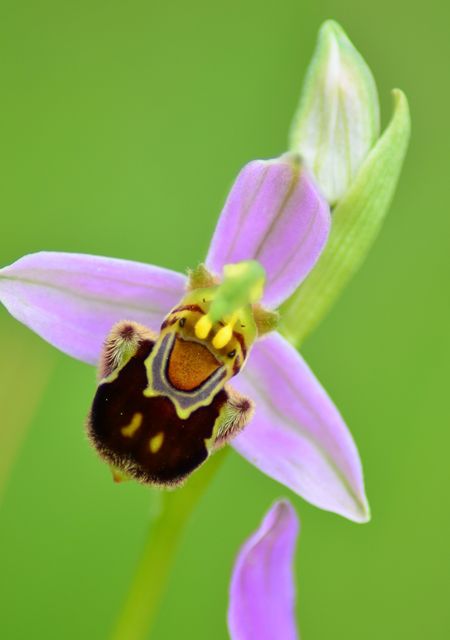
72, 300
276, 215
262, 594
297, 435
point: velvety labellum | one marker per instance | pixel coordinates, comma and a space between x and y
163, 404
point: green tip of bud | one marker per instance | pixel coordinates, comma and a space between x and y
331, 28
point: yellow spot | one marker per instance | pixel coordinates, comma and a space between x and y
223, 336
130, 429
203, 327
156, 442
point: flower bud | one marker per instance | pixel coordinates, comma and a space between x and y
356, 221
336, 131
338, 119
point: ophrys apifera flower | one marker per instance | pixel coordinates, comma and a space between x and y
173, 350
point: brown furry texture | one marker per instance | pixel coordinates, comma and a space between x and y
239, 411
121, 344
141, 435
120, 400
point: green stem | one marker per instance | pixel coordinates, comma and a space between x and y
150, 580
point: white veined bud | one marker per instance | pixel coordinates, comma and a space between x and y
338, 120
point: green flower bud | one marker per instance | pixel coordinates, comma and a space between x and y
338, 119
336, 130
356, 221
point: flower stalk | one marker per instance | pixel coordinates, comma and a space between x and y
164, 536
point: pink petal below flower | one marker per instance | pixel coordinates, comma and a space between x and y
262, 594
297, 436
276, 215
72, 300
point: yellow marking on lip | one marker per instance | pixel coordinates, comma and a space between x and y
130, 429
156, 442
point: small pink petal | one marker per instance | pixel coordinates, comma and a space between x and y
262, 593
72, 300
297, 436
276, 215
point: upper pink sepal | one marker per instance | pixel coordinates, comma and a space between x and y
276, 215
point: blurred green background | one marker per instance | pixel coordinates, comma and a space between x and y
123, 126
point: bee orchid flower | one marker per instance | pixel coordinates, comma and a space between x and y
157, 333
